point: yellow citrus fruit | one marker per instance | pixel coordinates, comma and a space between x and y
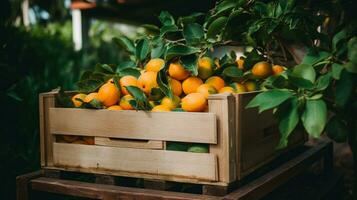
175, 86
115, 107
191, 84
90, 97
216, 81
127, 81
194, 102
125, 102
277, 69
205, 69
147, 81
240, 63
177, 71
206, 90
171, 103
80, 96
88, 140
262, 69
226, 89
239, 88
108, 94
154, 65
161, 108
251, 86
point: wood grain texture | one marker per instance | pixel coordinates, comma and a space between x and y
223, 106
201, 166
22, 184
139, 144
166, 126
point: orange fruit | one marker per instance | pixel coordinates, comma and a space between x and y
161, 108
88, 140
240, 63
115, 107
277, 69
90, 97
194, 102
216, 81
154, 65
206, 90
125, 102
147, 81
175, 86
177, 71
70, 138
191, 84
226, 89
108, 94
205, 69
171, 103
251, 86
79, 142
77, 103
262, 69
238, 88
127, 81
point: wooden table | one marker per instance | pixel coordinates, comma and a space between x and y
256, 187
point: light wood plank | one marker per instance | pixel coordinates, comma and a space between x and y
140, 144
202, 166
165, 126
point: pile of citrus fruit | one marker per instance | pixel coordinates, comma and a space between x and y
190, 93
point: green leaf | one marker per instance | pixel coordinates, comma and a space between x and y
190, 63
224, 6
168, 29
351, 67
269, 99
142, 49
336, 70
252, 57
352, 50
323, 81
116, 82
142, 103
156, 94
125, 43
180, 50
289, 118
192, 18
158, 50
344, 88
130, 71
126, 64
166, 18
216, 27
89, 85
313, 57
300, 82
93, 104
314, 117
338, 38
162, 81
336, 129
233, 72
193, 33
305, 71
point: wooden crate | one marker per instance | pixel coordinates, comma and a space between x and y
133, 143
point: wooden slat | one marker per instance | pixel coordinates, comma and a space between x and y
201, 166
165, 126
224, 107
139, 144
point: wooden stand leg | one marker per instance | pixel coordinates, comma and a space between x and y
22, 184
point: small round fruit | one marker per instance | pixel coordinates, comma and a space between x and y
262, 69
191, 84
88, 140
216, 81
115, 107
147, 81
175, 86
176, 146
194, 102
108, 94
277, 69
226, 89
154, 65
205, 69
198, 148
125, 102
91, 96
206, 90
127, 81
70, 138
177, 71
240, 63
239, 88
161, 108
251, 86
171, 103
76, 102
